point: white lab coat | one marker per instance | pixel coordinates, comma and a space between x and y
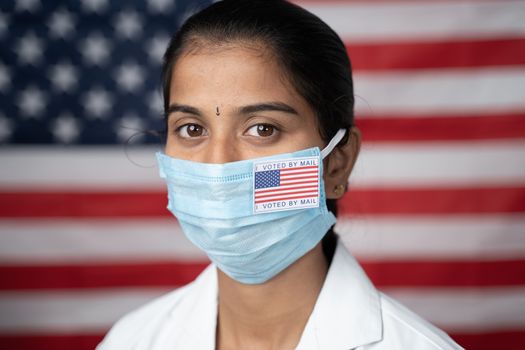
349, 314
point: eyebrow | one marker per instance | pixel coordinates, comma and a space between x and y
258, 107
268, 107
173, 108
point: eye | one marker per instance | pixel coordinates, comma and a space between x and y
262, 130
191, 130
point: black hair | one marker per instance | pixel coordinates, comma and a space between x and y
312, 55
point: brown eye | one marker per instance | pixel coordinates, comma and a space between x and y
191, 130
261, 130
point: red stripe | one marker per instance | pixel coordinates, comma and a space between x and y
81, 204
439, 128
508, 340
299, 168
284, 189
285, 192
302, 195
504, 339
173, 274
359, 201
50, 341
445, 273
436, 201
424, 54
153, 274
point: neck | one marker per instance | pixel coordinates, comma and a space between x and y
271, 315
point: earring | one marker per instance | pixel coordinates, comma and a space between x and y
339, 189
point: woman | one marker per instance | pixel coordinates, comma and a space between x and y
260, 143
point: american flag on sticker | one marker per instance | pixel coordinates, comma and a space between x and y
286, 184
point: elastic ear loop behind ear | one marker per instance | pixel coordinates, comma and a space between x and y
333, 142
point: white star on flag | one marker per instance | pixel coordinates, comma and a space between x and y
65, 128
128, 24
129, 77
61, 24
31, 102
29, 49
97, 103
95, 49
63, 76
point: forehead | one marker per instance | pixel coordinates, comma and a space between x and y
230, 73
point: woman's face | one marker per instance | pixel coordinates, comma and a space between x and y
231, 103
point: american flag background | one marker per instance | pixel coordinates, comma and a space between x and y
436, 207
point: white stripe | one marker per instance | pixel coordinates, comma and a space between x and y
69, 312
261, 194
461, 163
56, 241
412, 20
83, 168
467, 309
478, 238
90, 311
441, 91
62, 241
441, 163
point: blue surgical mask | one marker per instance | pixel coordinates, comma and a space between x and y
255, 217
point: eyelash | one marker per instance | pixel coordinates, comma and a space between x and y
184, 128
274, 129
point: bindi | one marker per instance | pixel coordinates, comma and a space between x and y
217, 112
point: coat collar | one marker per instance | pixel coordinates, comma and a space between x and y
200, 311
347, 313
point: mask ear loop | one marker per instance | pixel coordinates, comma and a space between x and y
333, 142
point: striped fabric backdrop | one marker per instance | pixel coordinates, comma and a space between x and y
435, 211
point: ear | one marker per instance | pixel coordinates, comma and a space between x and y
339, 164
